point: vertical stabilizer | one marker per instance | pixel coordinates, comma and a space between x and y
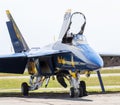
66, 24
17, 39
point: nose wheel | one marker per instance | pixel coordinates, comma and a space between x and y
79, 92
82, 86
72, 92
76, 92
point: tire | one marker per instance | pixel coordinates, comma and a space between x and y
83, 86
72, 92
80, 92
24, 89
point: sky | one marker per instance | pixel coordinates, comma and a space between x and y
40, 21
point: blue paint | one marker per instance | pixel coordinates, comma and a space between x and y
17, 45
92, 56
88, 52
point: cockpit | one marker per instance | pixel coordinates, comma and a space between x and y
79, 39
74, 34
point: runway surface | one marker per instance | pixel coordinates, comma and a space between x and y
60, 99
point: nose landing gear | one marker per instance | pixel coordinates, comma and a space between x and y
79, 92
78, 88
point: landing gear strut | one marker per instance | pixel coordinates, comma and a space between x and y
35, 82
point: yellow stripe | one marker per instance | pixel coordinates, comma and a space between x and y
7, 12
68, 11
73, 74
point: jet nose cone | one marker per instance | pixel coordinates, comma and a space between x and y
94, 61
97, 61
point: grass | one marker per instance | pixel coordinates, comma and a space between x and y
108, 70
104, 71
108, 81
11, 83
7, 74
14, 84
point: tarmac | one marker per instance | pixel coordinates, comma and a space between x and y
61, 99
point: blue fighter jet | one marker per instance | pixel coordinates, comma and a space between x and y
67, 58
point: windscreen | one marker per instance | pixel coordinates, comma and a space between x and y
77, 24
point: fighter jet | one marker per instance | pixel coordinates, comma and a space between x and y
67, 58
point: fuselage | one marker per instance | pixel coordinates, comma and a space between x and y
80, 55
76, 55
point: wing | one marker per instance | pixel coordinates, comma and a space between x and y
17, 40
14, 63
111, 59
44, 52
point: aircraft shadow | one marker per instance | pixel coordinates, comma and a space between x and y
51, 95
